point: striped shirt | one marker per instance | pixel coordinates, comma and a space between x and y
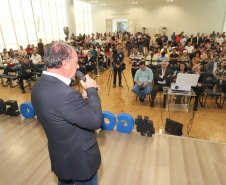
136, 58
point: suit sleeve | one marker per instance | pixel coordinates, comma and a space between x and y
208, 67
76, 111
157, 73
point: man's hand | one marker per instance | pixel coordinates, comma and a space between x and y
145, 84
139, 83
89, 83
160, 76
199, 85
117, 66
28, 70
84, 94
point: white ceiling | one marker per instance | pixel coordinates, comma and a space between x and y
123, 2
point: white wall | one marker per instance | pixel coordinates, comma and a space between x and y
190, 17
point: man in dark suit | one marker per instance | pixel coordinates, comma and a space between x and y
161, 79
197, 40
90, 62
68, 120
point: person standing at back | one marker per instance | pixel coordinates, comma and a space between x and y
40, 48
117, 61
68, 120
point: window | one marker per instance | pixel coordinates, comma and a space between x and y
83, 19
23, 22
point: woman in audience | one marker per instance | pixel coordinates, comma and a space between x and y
182, 69
220, 73
81, 56
40, 47
185, 58
197, 59
5, 57
156, 54
198, 89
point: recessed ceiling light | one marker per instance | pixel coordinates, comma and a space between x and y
136, 2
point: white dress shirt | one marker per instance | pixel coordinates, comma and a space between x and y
36, 58
62, 78
163, 74
214, 66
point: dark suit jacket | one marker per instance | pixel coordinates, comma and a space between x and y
195, 40
210, 65
69, 123
165, 77
90, 61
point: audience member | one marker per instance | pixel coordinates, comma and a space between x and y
162, 79
143, 79
36, 58
117, 60
135, 59
213, 65
26, 72
22, 51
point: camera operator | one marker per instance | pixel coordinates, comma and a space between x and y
135, 59
117, 60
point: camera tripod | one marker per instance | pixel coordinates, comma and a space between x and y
110, 79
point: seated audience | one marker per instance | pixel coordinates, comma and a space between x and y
213, 65
135, 59
22, 51
174, 57
29, 50
220, 73
189, 48
5, 57
90, 62
163, 57
143, 79
199, 88
185, 57
36, 58
26, 72
197, 59
162, 79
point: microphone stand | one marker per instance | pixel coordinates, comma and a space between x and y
98, 74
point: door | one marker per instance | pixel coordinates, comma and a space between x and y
109, 26
131, 26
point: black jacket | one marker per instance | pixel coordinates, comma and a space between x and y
195, 40
165, 77
69, 123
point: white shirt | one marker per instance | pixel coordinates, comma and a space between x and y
163, 74
189, 48
36, 58
61, 78
214, 66
219, 40
23, 52
99, 41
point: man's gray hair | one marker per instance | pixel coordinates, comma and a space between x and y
55, 53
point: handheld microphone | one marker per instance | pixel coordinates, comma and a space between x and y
81, 76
